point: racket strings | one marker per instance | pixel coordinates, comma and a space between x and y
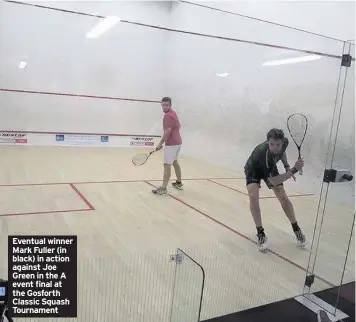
297, 126
139, 159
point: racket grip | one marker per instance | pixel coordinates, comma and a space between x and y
301, 172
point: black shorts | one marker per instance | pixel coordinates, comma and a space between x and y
255, 175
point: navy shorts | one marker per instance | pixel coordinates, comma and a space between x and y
254, 175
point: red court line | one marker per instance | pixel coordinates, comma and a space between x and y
78, 95
291, 196
99, 182
77, 133
90, 207
268, 197
43, 212
242, 235
220, 184
82, 196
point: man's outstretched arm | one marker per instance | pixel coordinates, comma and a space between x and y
276, 180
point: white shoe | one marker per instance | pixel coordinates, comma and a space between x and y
177, 185
301, 240
160, 191
262, 242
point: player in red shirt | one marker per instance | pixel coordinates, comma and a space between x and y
173, 141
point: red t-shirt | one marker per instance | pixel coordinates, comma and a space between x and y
170, 120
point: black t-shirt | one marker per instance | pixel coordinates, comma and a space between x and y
262, 160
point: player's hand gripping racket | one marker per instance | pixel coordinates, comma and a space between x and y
141, 159
297, 126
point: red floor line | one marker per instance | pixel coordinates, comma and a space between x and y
267, 197
231, 178
291, 196
43, 212
82, 196
222, 185
33, 184
242, 235
99, 182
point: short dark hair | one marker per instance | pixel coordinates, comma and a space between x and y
166, 99
276, 134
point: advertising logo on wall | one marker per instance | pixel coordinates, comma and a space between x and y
14, 138
59, 137
142, 141
78, 139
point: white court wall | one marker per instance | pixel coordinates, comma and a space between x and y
189, 17
227, 117
331, 18
149, 12
125, 62
222, 118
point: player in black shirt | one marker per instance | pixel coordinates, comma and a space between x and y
261, 165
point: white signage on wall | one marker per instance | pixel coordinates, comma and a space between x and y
13, 137
82, 139
142, 141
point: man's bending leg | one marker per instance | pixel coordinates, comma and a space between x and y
289, 211
253, 193
285, 203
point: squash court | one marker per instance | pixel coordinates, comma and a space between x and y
191, 255
126, 235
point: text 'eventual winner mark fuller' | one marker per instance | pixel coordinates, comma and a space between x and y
43, 276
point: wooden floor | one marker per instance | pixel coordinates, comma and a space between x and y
126, 235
